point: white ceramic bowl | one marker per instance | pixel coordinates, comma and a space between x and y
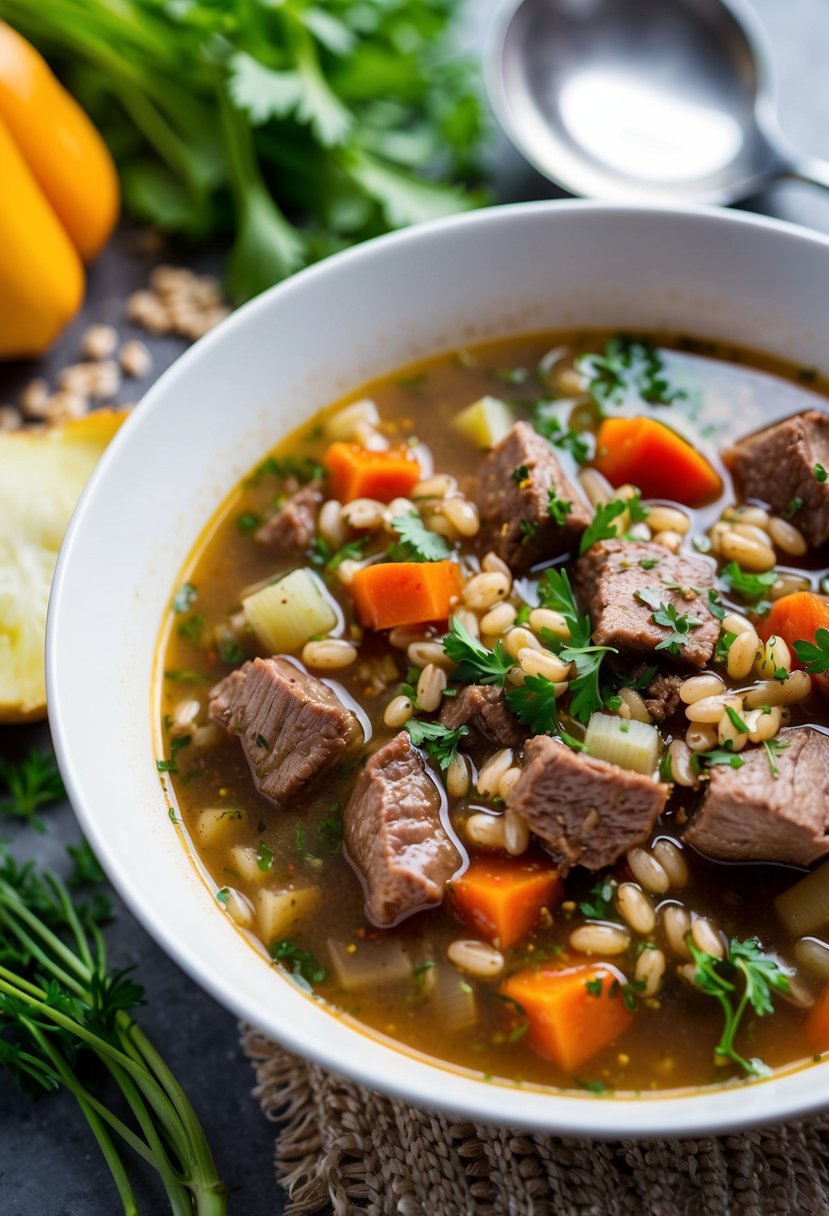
358, 315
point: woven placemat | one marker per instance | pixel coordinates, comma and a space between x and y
344, 1149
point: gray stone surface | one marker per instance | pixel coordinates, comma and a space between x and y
49, 1164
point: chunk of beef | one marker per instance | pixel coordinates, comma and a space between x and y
292, 527
482, 708
588, 812
748, 814
394, 835
292, 727
613, 574
514, 509
777, 465
662, 695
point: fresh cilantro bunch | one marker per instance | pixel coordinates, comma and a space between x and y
301, 126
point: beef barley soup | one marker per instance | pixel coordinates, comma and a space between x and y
494, 703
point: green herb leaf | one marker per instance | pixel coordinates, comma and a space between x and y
793, 506
475, 664
628, 369
736, 721
814, 655
520, 474
555, 592
668, 617
773, 749
301, 964
600, 899
264, 857
602, 527
31, 783
438, 741
416, 543
557, 508
534, 704
744, 966
717, 755
184, 598
749, 586
820, 474
547, 422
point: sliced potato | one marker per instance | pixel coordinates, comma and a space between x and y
368, 963
279, 912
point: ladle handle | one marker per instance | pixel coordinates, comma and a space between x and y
810, 169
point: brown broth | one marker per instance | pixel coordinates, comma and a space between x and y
670, 1042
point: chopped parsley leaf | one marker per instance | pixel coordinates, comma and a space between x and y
557, 508
416, 543
438, 741
602, 527
648, 563
594, 986
248, 522
191, 627
814, 655
749, 586
180, 675
793, 506
301, 964
547, 423
222, 896
534, 704
528, 529
171, 765
325, 558
600, 899
330, 831
476, 664
184, 597
773, 749
717, 755
264, 857
521, 474
627, 368
230, 651
680, 624
820, 474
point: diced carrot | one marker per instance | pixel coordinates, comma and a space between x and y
356, 472
572, 1012
503, 899
405, 593
816, 1028
648, 454
797, 618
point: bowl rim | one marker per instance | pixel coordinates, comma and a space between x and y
661, 1114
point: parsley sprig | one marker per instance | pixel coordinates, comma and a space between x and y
475, 664
437, 740
555, 592
324, 557
30, 784
548, 423
814, 655
668, 617
415, 541
744, 967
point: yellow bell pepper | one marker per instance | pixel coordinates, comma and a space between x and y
58, 199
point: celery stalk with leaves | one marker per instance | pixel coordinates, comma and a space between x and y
62, 1010
300, 127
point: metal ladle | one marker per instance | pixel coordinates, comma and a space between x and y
659, 100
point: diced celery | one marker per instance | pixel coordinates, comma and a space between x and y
624, 742
805, 906
278, 912
288, 613
485, 422
368, 963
